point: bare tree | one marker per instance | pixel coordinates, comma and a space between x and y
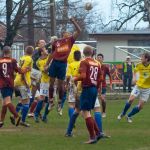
34, 16
30, 16
128, 10
86, 19
147, 10
14, 14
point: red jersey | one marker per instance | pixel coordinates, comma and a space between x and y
93, 72
105, 71
61, 48
7, 68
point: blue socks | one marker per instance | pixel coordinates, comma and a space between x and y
46, 111
46, 99
25, 108
18, 107
127, 106
31, 101
38, 108
98, 119
72, 122
63, 99
134, 111
70, 111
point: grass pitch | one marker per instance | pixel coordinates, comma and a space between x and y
42, 136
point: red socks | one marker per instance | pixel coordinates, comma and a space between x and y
90, 127
33, 105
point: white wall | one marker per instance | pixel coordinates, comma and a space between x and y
106, 47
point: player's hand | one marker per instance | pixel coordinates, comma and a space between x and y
24, 70
28, 69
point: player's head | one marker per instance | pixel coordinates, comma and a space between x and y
100, 57
7, 51
88, 51
145, 58
53, 39
66, 34
128, 58
29, 50
41, 43
77, 55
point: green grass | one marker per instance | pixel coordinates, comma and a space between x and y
41, 136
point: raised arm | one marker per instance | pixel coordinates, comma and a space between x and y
78, 29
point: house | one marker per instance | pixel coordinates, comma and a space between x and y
107, 42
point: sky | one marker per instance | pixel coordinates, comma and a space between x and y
104, 6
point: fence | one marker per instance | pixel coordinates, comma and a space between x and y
17, 50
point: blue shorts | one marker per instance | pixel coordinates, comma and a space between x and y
6, 91
88, 98
103, 91
57, 69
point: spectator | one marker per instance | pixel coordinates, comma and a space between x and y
128, 67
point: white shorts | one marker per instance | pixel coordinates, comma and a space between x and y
44, 89
97, 103
71, 95
37, 94
142, 93
36, 74
25, 93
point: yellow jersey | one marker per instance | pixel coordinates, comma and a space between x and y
41, 62
73, 69
25, 61
74, 48
143, 75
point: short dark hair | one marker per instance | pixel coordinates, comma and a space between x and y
88, 51
77, 55
6, 50
147, 56
29, 50
100, 54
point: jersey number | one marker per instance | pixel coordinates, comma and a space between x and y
4, 67
94, 73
